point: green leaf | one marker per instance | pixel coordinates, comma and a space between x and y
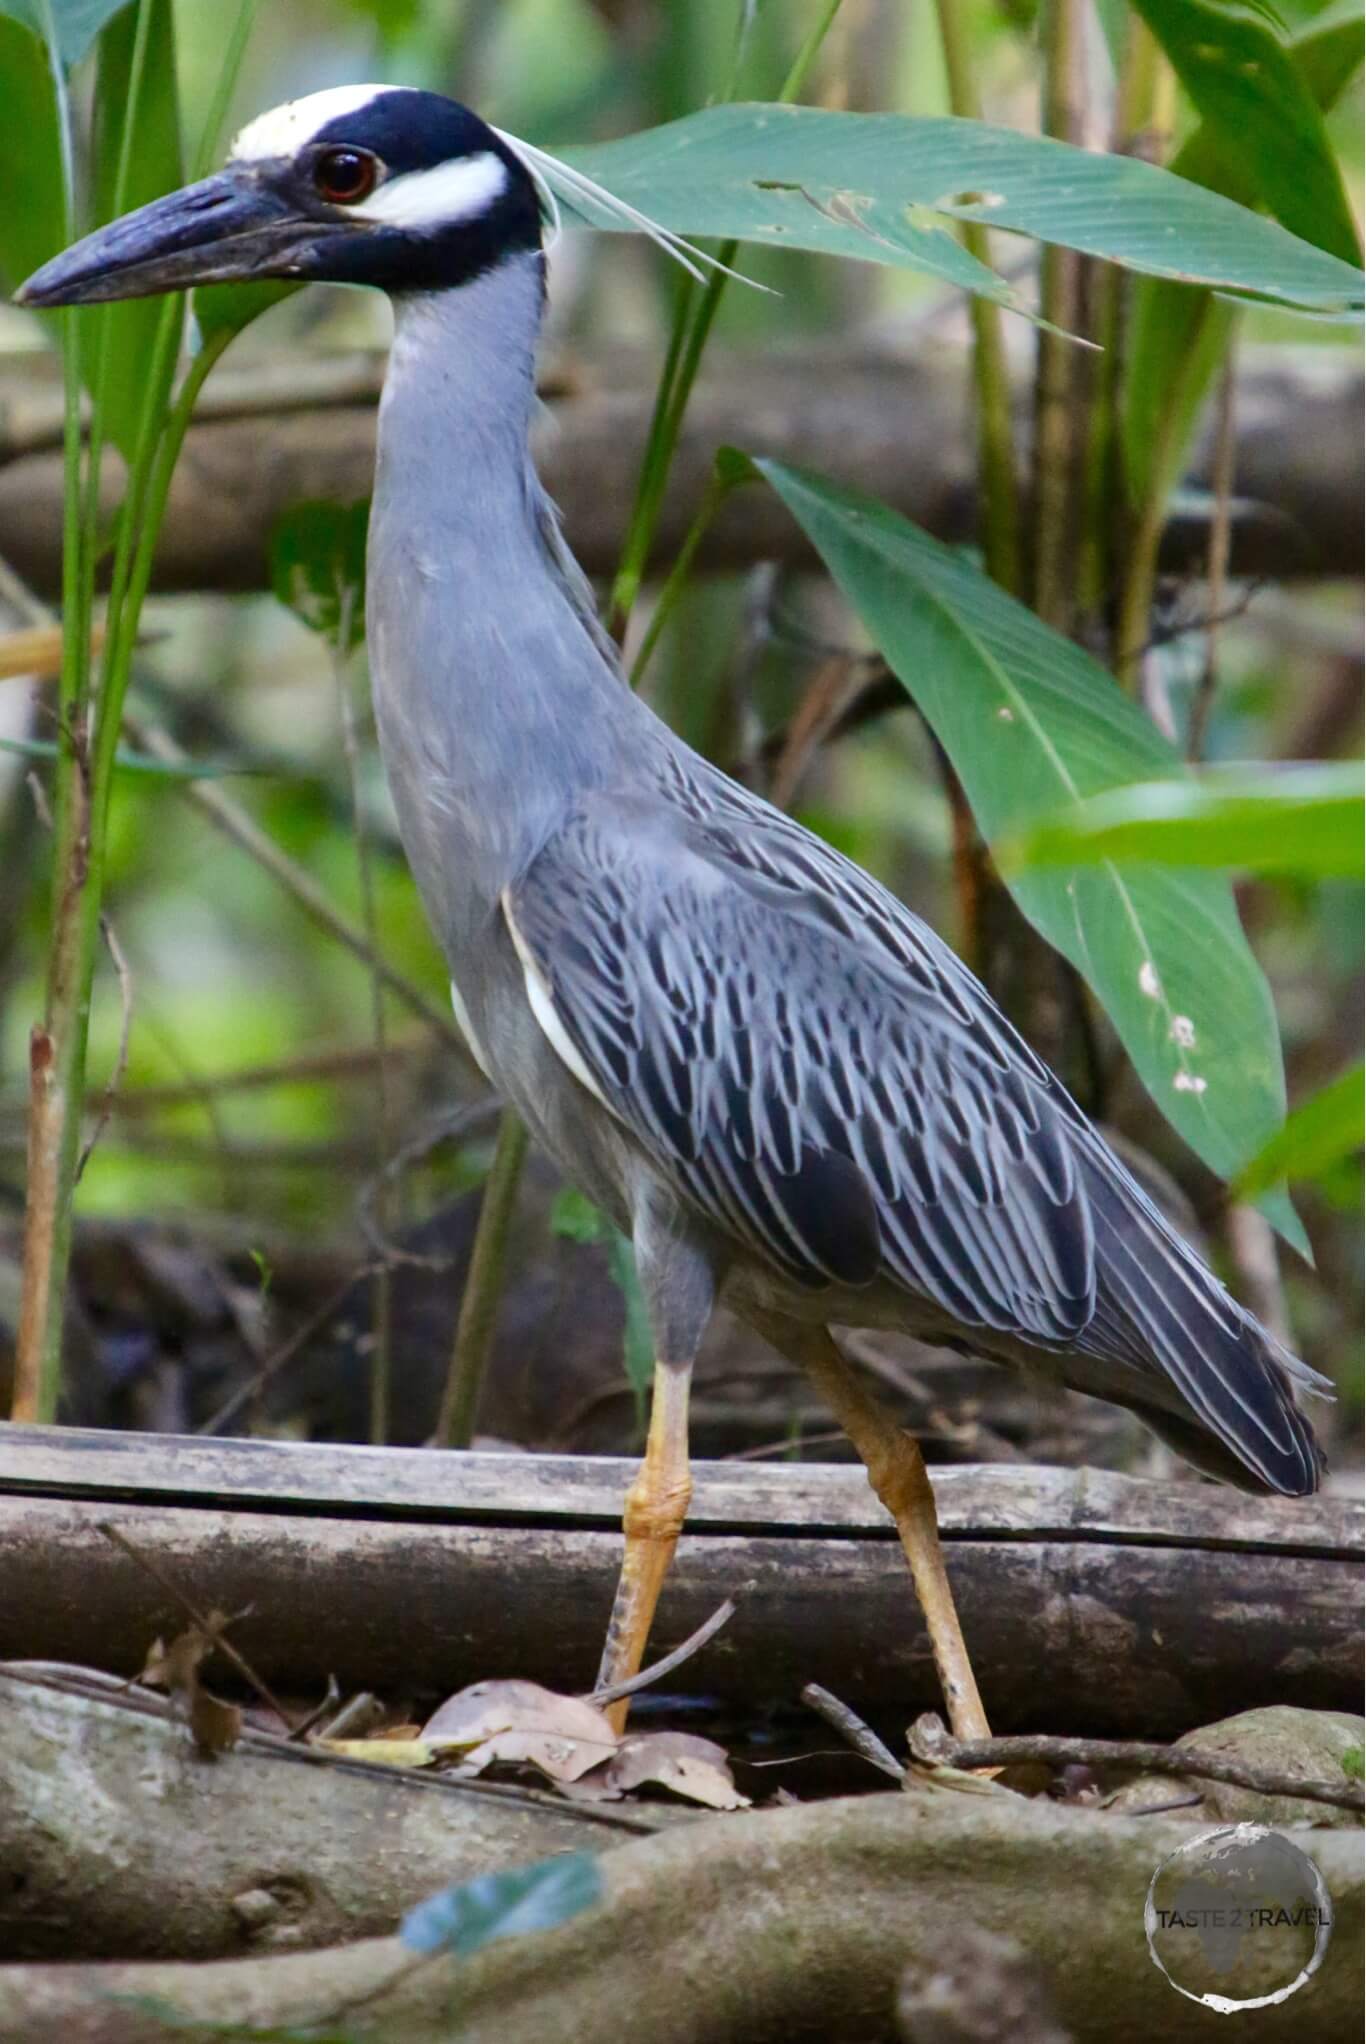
637, 1342
1177, 337
317, 568
1354, 1763
77, 22
154, 164
1247, 86
1032, 723
463, 1920
31, 229
1330, 49
1329, 1127
577, 1218
885, 187
1284, 819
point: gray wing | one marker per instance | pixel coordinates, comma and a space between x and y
816, 1072
835, 1105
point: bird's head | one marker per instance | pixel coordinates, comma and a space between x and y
366, 184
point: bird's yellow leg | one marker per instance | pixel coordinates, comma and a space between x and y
896, 1470
656, 1506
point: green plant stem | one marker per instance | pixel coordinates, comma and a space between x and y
998, 478
223, 87
1060, 301
483, 1288
713, 497
57, 1046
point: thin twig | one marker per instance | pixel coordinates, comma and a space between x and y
452, 1125
198, 1617
246, 833
933, 1745
330, 1699
274, 1363
851, 1727
106, 1106
656, 1672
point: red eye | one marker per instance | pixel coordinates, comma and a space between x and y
345, 176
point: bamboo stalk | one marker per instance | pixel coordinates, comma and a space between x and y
1000, 510
1061, 303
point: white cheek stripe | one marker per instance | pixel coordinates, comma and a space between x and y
455, 191
285, 129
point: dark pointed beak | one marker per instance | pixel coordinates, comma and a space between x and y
222, 230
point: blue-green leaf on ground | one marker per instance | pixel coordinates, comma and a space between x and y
1031, 724
1270, 819
77, 22
317, 567
1244, 80
462, 1920
886, 187
1325, 1129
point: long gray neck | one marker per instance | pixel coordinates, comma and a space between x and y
495, 698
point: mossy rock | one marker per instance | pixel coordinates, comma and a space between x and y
1278, 1738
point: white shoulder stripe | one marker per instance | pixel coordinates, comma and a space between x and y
285, 129
543, 1008
459, 190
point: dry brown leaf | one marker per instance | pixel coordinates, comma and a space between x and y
681, 1761
215, 1726
559, 1759
485, 1709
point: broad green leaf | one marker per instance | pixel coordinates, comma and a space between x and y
1330, 49
77, 22
1329, 1127
463, 1920
1032, 723
317, 568
230, 307
884, 187
1291, 819
31, 229
153, 164
1177, 337
1247, 86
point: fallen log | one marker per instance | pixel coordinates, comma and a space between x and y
119, 1840
1092, 1603
793, 1926
902, 430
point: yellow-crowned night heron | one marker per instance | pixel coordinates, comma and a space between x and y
777, 1080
